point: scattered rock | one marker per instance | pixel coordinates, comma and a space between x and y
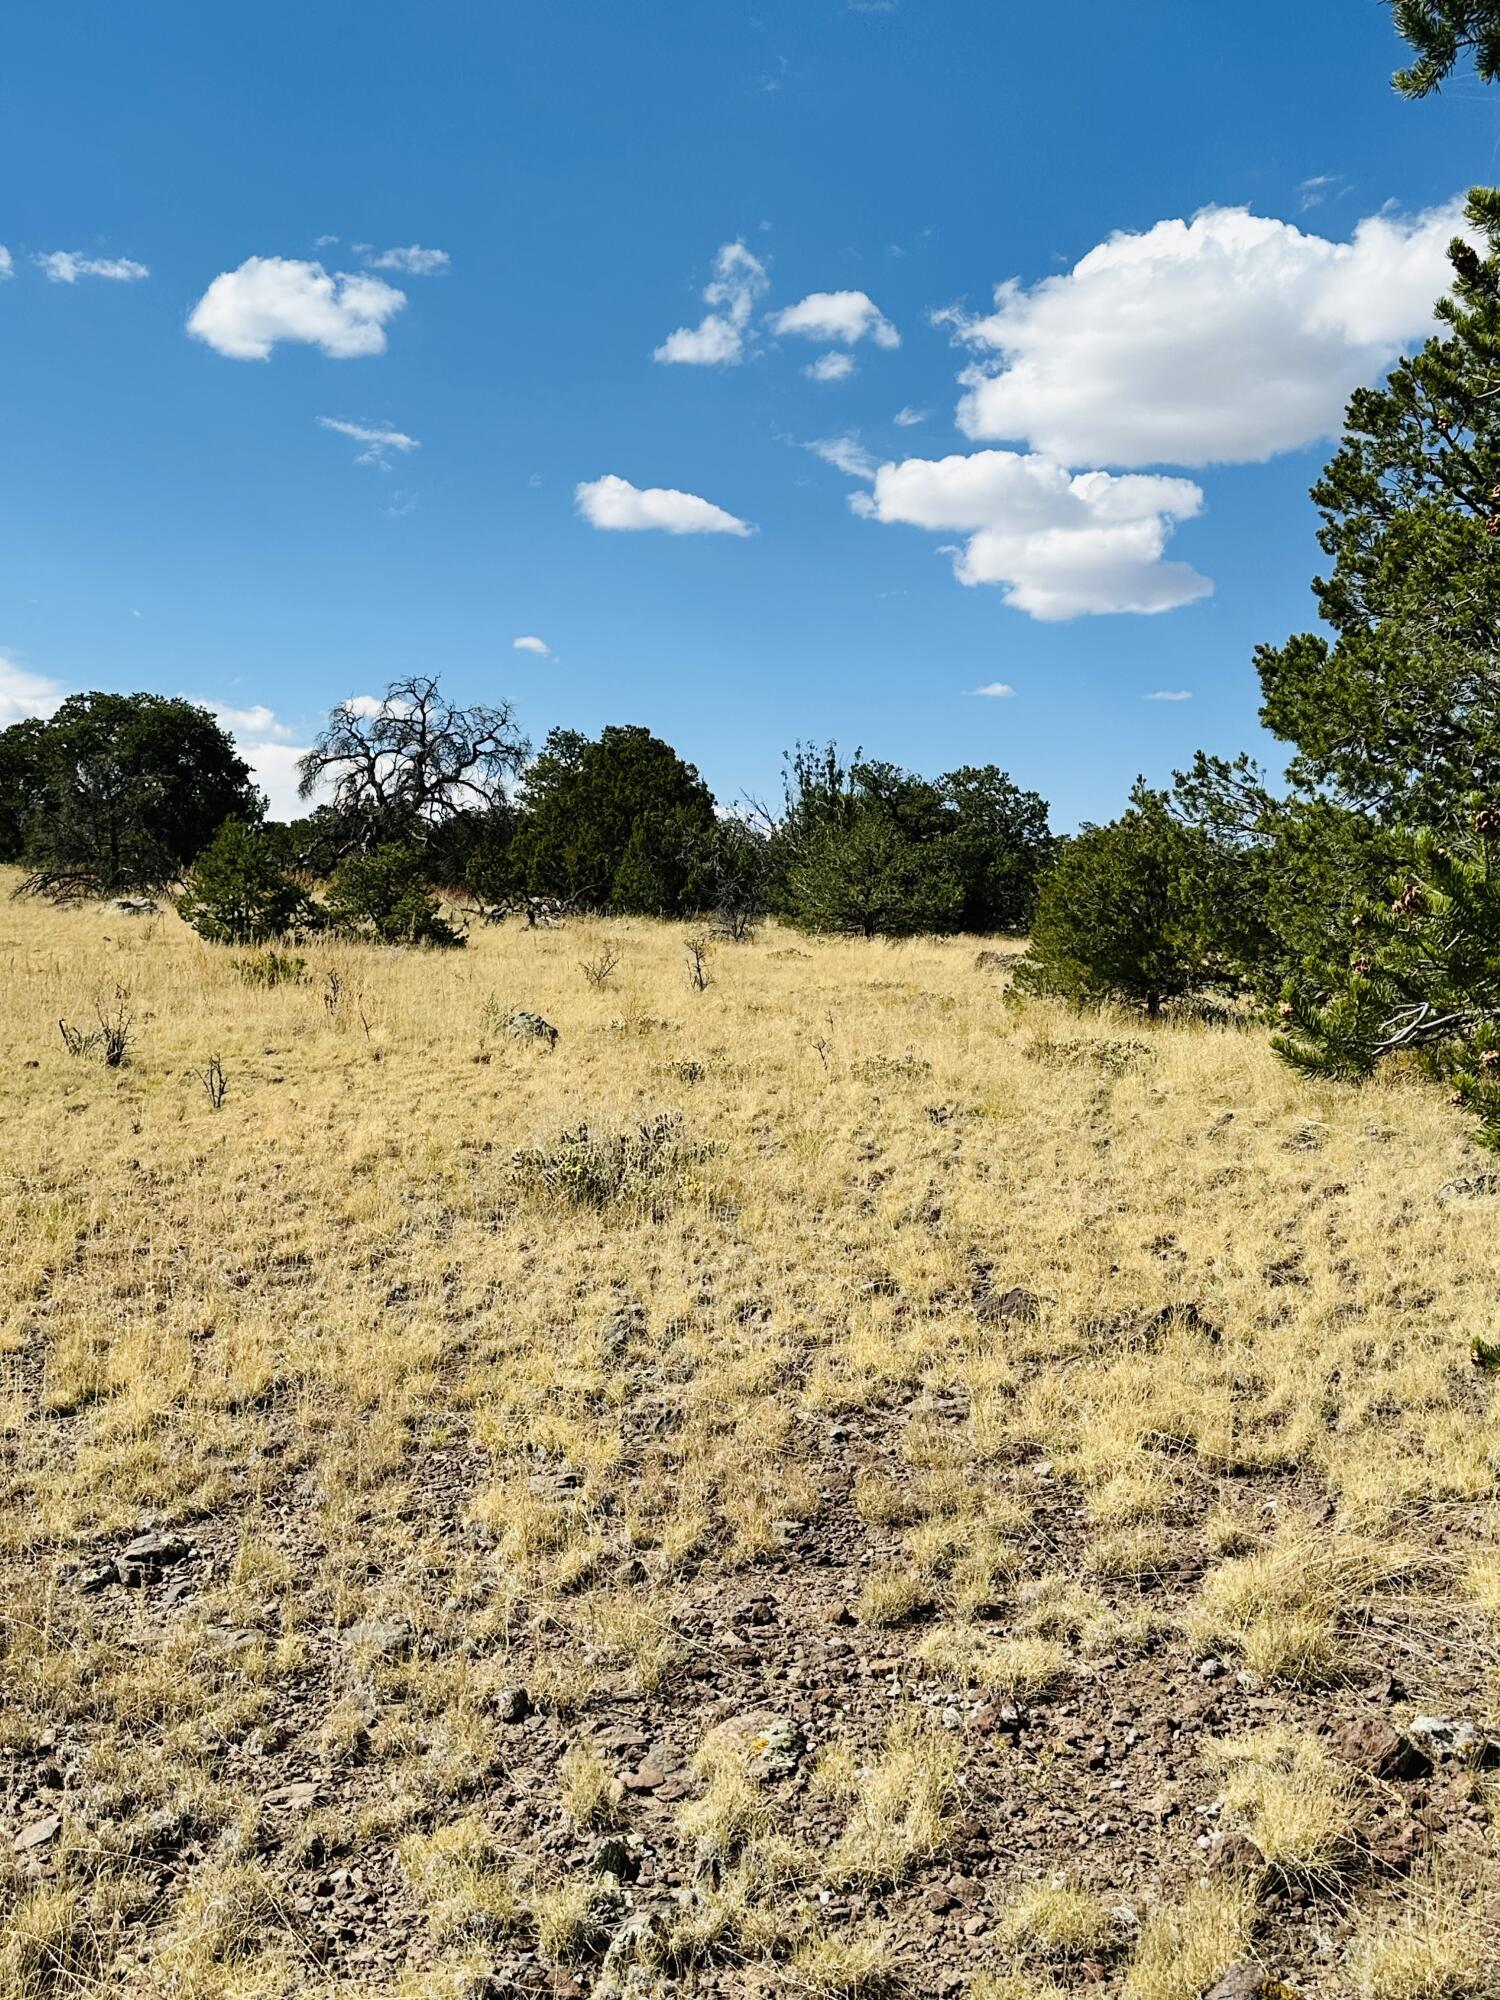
142, 1560
1211, 1669
1235, 1854
1399, 1851
512, 1704
525, 1026
39, 1833
772, 1745
1439, 1737
1249, 1982
1469, 1187
382, 1638
1372, 1745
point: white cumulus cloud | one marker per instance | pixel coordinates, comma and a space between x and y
1226, 338
23, 693
994, 690
1169, 694
255, 721
841, 316
531, 644
245, 312
7, 263
271, 750
908, 417
66, 267
1060, 544
378, 441
419, 263
830, 367
612, 502
718, 340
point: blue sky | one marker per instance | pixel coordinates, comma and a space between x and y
179, 514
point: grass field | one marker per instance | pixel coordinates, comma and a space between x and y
829, 1484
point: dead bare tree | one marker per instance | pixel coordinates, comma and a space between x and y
401, 767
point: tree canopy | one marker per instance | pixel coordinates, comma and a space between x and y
618, 822
1132, 912
119, 791
1441, 33
1399, 715
872, 849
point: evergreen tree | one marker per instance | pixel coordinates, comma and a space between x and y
1129, 913
867, 877
1441, 32
384, 897
120, 792
620, 823
870, 848
999, 846
240, 891
1399, 717
1424, 977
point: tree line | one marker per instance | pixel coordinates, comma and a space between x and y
120, 794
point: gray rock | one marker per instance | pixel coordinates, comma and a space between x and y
1439, 1737
513, 1704
524, 1025
1469, 1187
39, 1833
1249, 1982
154, 1551
382, 1638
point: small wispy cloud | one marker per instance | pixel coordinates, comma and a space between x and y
1169, 694
831, 367
379, 442
413, 259
908, 417
845, 454
994, 690
530, 643
1318, 188
66, 267
7, 263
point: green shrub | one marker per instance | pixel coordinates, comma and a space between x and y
383, 896
240, 891
1131, 912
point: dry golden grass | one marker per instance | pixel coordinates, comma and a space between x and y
453, 1392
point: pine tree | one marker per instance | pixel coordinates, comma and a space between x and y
1131, 913
384, 896
1440, 32
239, 890
1424, 978
1399, 717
